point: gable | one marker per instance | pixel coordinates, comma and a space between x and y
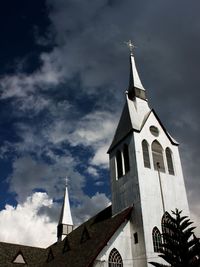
121, 239
133, 116
153, 120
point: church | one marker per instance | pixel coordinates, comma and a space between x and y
146, 184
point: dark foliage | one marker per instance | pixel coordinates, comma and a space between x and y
180, 247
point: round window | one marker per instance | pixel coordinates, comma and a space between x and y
154, 130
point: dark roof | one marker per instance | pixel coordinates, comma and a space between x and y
79, 249
86, 242
8, 252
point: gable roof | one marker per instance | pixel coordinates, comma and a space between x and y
82, 254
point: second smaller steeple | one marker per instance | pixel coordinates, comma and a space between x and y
65, 225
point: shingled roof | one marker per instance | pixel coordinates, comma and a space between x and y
33, 256
79, 249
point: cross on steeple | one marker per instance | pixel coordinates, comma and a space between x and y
131, 46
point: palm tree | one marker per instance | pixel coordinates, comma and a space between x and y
180, 247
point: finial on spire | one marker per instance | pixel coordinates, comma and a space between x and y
131, 46
66, 181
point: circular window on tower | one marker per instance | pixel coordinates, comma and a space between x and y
154, 130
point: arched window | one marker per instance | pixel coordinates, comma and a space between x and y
119, 164
157, 152
166, 226
157, 240
145, 150
126, 158
115, 259
169, 161
166, 221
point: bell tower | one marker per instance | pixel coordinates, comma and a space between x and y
145, 168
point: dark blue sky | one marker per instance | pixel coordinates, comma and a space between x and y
63, 72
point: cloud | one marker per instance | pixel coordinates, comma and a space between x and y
89, 206
93, 171
30, 174
23, 225
21, 84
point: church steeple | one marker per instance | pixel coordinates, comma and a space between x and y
135, 89
136, 108
65, 225
145, 169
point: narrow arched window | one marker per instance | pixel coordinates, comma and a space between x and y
157, 153
166, 224
115, 259
126, 158
169, 161
145, 150
157, 240
119, 164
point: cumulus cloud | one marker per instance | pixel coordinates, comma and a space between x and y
23, 225
30, 223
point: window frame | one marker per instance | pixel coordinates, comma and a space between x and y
169, 158
115, 259
157, 155
157, 239
145, 152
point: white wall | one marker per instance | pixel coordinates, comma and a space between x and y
173, 186
121, 240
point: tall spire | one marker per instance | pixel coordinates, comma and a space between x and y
135, 89
65, 225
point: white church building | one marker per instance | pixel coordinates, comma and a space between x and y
146, 184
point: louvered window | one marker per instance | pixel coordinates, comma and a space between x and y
126, 158
169, 161
119, 164
157, 153
145, 150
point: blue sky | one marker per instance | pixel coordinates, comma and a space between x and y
64, 69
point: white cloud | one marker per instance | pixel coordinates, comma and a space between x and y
21, 85
101, 158
93, 171
23, 225
95, 130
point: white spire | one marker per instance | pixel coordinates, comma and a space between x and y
65, 216
65, 224
135, 89
135, 79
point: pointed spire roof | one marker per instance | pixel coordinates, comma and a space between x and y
65, 216
135, 85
